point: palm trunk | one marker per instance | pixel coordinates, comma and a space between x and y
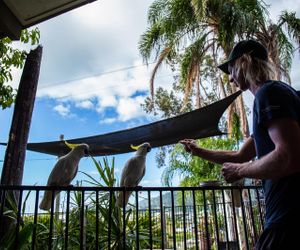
239, 108
243, 117
198, 94
231, 111
222, 88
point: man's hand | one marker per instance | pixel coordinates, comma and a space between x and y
230, 171
190, 145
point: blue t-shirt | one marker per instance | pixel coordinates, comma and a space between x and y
276, 100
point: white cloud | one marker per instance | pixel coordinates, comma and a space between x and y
118, 90
108, 121
101, 37
86, 104
62, 110
129, 108
97, 37
106, 101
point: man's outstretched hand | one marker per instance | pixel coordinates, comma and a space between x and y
190, 145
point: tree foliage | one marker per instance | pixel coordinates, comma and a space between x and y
11, 56
182, 33
193, 169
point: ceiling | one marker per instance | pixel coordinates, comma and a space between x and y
16, 15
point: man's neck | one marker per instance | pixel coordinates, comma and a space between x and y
254, 88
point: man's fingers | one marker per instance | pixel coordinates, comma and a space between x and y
186, 141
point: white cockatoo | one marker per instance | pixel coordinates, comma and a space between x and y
133, 171
64, 171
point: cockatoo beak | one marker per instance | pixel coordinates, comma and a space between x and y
134, 147
70, 145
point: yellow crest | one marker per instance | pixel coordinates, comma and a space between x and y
134, 147
70, 145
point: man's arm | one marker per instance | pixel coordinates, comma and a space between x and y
284, 160
246, 153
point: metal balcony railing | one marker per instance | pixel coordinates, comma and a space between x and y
222, 217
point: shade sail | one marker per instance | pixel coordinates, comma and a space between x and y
16, 15
196, 124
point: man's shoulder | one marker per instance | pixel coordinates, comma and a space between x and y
276, 89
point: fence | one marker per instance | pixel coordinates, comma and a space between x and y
222, 217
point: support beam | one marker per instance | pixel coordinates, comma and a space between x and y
12, 172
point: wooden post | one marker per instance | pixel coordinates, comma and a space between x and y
12, 172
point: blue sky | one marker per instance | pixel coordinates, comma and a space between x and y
93, 80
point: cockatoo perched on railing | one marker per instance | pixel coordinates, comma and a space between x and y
133, 171
64, 171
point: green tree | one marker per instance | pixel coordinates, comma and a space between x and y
168, 104
10, 57
194, 170
182, 33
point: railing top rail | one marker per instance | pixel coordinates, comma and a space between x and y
97, 188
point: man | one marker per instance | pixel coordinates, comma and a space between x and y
275, 142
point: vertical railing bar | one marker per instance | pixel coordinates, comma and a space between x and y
259, 210
195, 219
18, 216
168, 227
124, 219
3, 196
110, 219
244, 218
35, 218
225, 217
184, 219
67, 220
161, 220
82, 220
97, 219
179, 210
206, 219
51, 219
234, 218
216, 218
150, 219
137, 219
191, 216
252, 216
173, 220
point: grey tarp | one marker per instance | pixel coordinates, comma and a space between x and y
196, 124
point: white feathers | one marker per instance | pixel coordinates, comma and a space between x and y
64, 172
133, 172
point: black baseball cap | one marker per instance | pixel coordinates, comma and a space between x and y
253, 47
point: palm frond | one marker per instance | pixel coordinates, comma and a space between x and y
200, 8
165, 53
292, 24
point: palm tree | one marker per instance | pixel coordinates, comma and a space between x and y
184, 32
279, 39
